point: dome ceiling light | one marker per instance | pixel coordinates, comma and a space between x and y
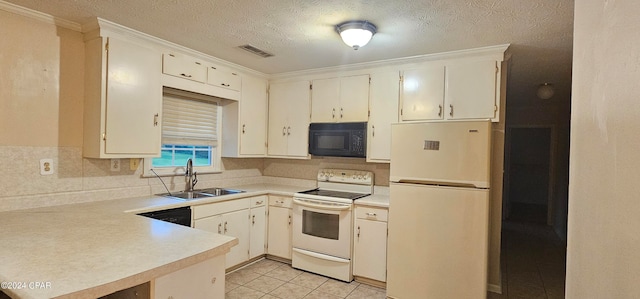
356, 33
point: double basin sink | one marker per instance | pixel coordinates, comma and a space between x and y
203, 193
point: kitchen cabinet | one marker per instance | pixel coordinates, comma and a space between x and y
280, 231
258, 228
457, 89
370, 243
222, 77
229, 218
244, 122
471, 90
423, 93
203, 280
184, 67
383, 107
123, 99
288, 133
343, 99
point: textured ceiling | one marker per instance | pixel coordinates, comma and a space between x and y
301, 35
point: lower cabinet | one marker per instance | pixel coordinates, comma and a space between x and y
279, 240
370, 243
258, 226
203, 280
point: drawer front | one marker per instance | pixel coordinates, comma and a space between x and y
184, 67
220, 208
280, 201
371, 213
224, 78
258, 201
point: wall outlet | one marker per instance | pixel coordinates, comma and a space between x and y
115, 165
46, 166
133, 164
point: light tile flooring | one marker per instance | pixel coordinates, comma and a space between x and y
271, 279
533, 266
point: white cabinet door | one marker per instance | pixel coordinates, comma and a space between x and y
203, 280
471, 90
422, 93
370, 249
289, 107
279, 241
383, 104
123, 100
222, 77
354, 99
236, 224
253, 117
258, 231
184, 67
325, 96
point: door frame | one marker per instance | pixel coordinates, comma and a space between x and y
553, 144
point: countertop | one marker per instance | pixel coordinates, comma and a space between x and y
93, 249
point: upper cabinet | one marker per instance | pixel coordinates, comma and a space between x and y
123, 99
383, 104
289, 105
184, 67
244, 122
451, 90
223, 77
343, 99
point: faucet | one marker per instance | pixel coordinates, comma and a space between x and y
192, 177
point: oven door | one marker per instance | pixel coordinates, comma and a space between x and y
322, 227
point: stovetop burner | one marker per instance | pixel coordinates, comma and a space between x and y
334, 193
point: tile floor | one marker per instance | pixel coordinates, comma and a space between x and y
271, 279
533, 266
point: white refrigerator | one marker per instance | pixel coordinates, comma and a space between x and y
439, 210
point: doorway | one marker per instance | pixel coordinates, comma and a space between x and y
529, 175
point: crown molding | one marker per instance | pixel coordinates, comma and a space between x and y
39, 16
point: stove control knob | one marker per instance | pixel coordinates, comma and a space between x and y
331, 174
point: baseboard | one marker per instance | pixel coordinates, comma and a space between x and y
493, 288
371, 282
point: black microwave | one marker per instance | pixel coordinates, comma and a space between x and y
338, 139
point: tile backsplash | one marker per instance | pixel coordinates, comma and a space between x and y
76, 179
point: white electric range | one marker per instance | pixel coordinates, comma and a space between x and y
323, 222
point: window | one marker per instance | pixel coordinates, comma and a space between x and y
190, 130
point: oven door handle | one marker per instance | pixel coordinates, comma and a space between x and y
320, 256
321, 206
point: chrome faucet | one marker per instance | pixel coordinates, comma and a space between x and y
192, 177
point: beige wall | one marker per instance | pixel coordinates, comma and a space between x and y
603, 251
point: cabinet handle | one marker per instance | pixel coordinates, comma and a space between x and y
219, 228
259, 202
288, 130
227, 85
213, 67
451, 112
358, 231
253, 219
155, 120
371, 214
280, 201
440, 111
373, 132
289, 219
185, 75
340, 112
225, 227
333, 113
284, 131
243, 126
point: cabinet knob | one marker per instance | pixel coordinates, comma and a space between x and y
333, 113
288, 131
451, 112
253, 219
219, 228
284, 131
373, 131
223, 84
225, 227
358, 231
440, 111
155, 119
259, 202
213, 280
340, 112
243, 126
185, 75
289, 219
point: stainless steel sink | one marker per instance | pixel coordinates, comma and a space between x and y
197, 194
219, 191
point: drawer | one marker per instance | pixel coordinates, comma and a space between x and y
223, 78
371, 213
220, 208
184, 67
280, 201
258, 201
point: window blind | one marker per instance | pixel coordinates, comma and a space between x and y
189, 121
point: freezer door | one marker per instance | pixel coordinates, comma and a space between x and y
458, 153
438, 242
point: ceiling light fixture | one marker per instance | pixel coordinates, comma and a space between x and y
356, 33
545, 91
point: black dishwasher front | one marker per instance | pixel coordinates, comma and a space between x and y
181, 216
